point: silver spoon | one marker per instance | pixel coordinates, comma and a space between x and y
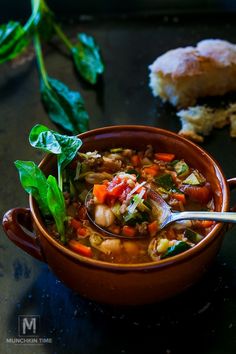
164, 215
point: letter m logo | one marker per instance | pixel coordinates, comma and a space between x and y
28, 326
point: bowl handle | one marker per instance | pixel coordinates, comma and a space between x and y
232, 185
17, 224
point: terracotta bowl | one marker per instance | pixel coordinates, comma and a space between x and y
123, 284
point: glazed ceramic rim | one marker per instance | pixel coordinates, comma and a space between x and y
207, 240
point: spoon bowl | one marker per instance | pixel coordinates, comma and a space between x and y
165, 216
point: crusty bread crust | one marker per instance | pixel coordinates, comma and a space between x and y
182, 75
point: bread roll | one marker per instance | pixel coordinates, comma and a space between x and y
182, 75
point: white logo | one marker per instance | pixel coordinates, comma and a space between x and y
28, 325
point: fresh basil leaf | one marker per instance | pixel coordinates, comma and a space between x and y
13, 39
64, 146
56, 204
34, 182
87, 59
65, 107
178, 247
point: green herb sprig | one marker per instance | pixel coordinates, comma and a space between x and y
65, 107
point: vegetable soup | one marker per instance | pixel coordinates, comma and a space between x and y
119, 181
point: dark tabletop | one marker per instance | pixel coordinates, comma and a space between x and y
202, 320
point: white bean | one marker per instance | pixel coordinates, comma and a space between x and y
103, 215
111, 246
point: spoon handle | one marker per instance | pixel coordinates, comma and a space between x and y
203, 215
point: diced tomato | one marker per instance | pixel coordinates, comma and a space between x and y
135, 159
116, 190
180, 197
153, 228
82, 231
80, 248
200, 194
75, 223
128, 231
164, 156
110, 200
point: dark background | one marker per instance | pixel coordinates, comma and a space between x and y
73, 8
131, 35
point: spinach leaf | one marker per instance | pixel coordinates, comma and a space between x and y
65, 107
56, 204
87, 59
13, 39
178, 247
64, 146
34, 182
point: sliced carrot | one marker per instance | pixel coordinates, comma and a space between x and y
180, 197
75, 223
164, 156
135, 159
128, 231
100, 192
153, 228
80, 248
151, 170
82, 231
